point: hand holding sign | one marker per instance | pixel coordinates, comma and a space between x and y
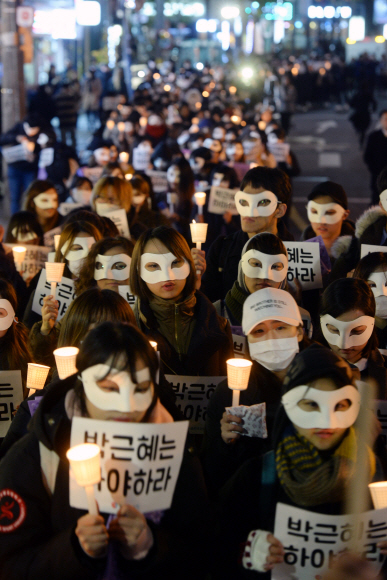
130, 529
92, 535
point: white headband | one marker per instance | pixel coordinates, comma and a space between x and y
265, 270
344, 339
126, 400
320, 214
46, 200
165, 270
107, 263
325, 417
380, 280
252, 206
6, 321
73, 255
383, 199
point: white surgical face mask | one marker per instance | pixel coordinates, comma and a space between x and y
105, 270
325, 417
380, 281
381, 306
103, 209
46, 201
343, 339
126, 400
318, 212
256, 205
383, 199
81, 195
23, 237
138, 199
274, 354
173, 175
6, 321
162, 269
256, 264
75, 255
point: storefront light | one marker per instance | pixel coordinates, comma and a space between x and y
88, 13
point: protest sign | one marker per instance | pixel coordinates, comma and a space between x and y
222, 200
49, 237
159, 180
369, 249
140, 463
67, 206
141, 158
192, 396
120, 219
279, 150
64, 294
240, 342
311, 541
304, 264
14, 154
126, 293
46, 157
34, 260
11, 395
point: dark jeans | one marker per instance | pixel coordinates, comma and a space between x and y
18, 181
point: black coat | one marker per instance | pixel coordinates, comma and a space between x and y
44, 545
375, 154
223, 259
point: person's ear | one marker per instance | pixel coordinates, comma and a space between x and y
281, 210
346, 214
300, 333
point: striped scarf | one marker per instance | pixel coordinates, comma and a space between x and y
311, 480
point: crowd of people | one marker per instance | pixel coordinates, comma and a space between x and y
119, 219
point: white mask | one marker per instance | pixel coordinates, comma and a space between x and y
380, 280
42, 139
30, 131
383, 199
173, 175
218, 179
102, 155
73, 255
230, 151
165, 271
381, 306
81, 196
46, 201
252, 207
6, 321
103, 209
106, 271
197, 164
138, 199
274, 354
248, 146
126, 400
218, 133
344, 339
326, 417
23, 237
318, 212
264, 271
160, 163
207, 143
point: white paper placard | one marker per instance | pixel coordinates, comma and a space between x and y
126, 293
311, 540
222, 200
304, 264
140, 463
279, 150
67, 206
141, 158
369, 249
159, 180
48, 237
241, 348
34, 259
192, 396
120, 219
11, 395
14, 154
64, 294
46, 157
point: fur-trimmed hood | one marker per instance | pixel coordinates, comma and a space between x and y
341, 246
368, 218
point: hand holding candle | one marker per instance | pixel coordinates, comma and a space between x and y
238, 373
36, 377
65, 359
199, 236
85, 462
54, 274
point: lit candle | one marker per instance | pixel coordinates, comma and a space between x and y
238, 373
198, 233
121, 126
19, 253
110, 124
200, 200
54, 273
85, 462
124, 157
379, 494
65, 359
143, 121
153, 344
36, 376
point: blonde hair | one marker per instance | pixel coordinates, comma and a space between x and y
122, 188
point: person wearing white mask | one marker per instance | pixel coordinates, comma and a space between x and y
316, 446
179, 196
373, 269
80, 191
24, 229
42, 200
347, 321
116, 382
273, 326
142, 202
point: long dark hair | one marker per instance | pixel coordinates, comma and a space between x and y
369, 264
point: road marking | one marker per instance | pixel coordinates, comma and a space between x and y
329, 160
323, 126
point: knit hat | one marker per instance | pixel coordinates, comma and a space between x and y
269, 304
333, 190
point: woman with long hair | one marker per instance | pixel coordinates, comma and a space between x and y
181, 183
41, 199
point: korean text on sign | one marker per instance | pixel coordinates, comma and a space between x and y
222, 200
126, 293
304, 264
11, 395
312, 541
192, 396
120, 219
140, 463
159, 180
64, 294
